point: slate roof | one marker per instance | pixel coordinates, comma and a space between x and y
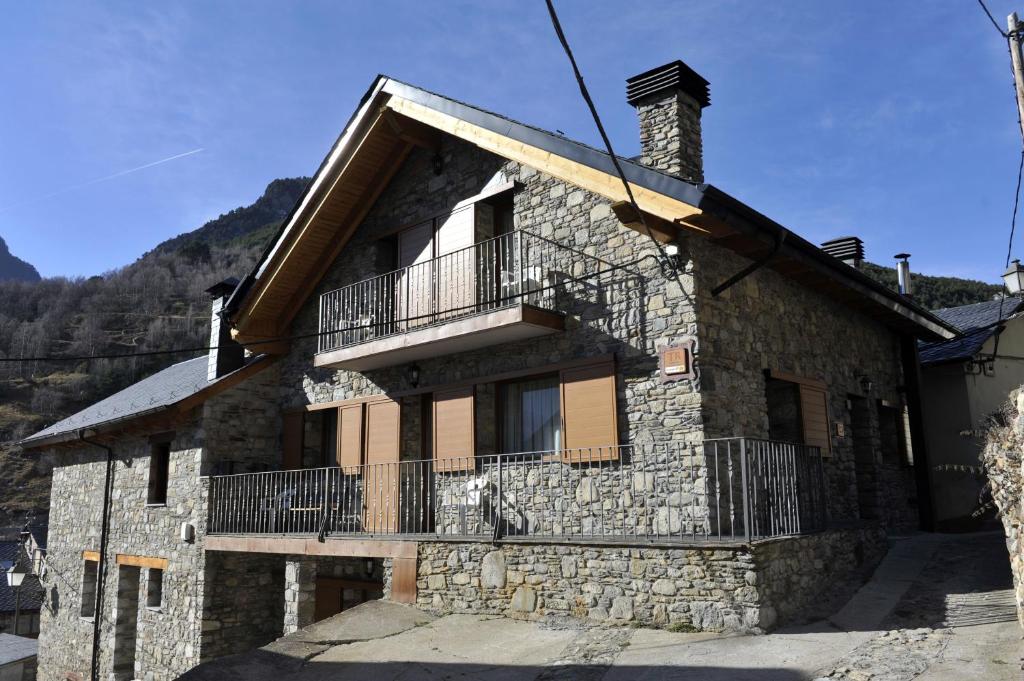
151, 394
14, 648
978, 322
31, 590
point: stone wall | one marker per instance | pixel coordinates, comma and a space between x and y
1003, 459
243, 602
168, 638
765, 322
712, 588
302, 572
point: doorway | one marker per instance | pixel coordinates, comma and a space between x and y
337, 594
126, 622
864, 458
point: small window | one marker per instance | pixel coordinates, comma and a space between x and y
159, 466
90, 573
785, 423
531, 415
155, 588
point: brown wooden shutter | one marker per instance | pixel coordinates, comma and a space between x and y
814, 412
589, 419
292, 436
350, 438
381, 478
453, 429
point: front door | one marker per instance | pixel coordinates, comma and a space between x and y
381, 478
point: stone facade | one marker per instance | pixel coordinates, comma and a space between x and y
709, 588
212, 604
670, 136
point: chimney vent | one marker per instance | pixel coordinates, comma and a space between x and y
226, 354
668, 101
906, 286
849, 249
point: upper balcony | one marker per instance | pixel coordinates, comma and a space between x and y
497, 290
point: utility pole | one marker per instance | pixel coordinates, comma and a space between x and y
1013, 28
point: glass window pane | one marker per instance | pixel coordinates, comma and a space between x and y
531, 418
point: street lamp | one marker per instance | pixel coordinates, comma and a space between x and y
15, 576
1014, 278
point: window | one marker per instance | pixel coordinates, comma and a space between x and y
159, 467
90, 573
798, 411
329, 437
892, 433
155, 588
531, 415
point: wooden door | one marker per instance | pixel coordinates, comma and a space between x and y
381, 480
456, 263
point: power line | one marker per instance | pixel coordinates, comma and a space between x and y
305, 336
992, 19
604, 136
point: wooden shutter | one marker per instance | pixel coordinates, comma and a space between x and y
292, 437
416, 284
589, 420
814, 413
350, 438
453, 429
381, 479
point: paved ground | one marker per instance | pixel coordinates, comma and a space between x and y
939, 608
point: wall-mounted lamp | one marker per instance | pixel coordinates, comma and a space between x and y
866, 384
414, 375
368, 566
438, 163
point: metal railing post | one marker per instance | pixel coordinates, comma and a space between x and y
744, 477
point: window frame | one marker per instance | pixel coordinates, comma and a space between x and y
501, 397
86, 588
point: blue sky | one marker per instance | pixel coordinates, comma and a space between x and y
892, 121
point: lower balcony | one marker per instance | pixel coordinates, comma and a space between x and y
720, 490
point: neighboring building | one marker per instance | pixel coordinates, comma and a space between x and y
20, 605
486, 384
17, 658
965, 382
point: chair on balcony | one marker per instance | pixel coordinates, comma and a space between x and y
465, 502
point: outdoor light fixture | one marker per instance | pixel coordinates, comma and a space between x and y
369, 567
672, 250
15, 576
1014, 278
866, 384
414, 375
438, 163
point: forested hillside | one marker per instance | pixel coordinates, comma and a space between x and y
937, 292
156, 303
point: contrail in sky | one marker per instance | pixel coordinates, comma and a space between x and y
101, 179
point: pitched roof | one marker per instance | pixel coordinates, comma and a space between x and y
14, 648
151, 395
323, 218
31, 594
978, 322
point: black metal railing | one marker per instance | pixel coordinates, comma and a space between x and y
517, 267
727, 490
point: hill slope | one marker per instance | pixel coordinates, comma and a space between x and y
937, 292
156, 303
13, 268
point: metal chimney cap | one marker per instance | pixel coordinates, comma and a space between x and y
223, 288
675, 74
901, 256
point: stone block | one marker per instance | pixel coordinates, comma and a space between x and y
524, 600
622, 608
493, 571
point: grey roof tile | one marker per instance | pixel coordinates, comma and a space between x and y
977, 321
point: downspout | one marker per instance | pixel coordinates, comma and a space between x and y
912, 381
101, 568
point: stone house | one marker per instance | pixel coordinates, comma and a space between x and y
478, 379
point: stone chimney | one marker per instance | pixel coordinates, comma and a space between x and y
226, 355
668, 101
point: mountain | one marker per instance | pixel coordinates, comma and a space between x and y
156, 303
937, 292
13, 268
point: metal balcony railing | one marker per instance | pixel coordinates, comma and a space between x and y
720, 490
513, 268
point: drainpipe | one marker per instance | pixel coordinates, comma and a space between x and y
101, 568
912, 382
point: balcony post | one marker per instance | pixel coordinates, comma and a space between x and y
747, 511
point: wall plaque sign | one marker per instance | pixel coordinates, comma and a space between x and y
676, 361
